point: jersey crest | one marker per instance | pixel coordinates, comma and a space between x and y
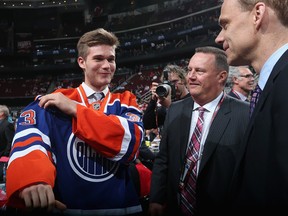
87, 163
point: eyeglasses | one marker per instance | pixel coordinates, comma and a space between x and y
248, 76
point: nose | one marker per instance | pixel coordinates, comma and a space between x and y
105, 63
191, 74
219, 39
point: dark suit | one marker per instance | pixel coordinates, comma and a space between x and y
232, 94
218, 160
6, 136
261, 179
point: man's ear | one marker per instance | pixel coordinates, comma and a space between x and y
235, 80
259, 11
223, 75
81, 62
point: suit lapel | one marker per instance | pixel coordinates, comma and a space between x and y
270, 82
266, 91
185, 123
216, 131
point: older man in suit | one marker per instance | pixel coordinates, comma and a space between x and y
225, 121
241, 80
7, 131
255, 33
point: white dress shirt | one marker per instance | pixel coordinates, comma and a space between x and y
210, 109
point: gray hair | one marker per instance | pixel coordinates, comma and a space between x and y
5, 110
179, 71
234, 72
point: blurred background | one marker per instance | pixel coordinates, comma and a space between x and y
38, 42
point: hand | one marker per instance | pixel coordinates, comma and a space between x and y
40, 196
163, 101
153, 90
60, 101
156, 209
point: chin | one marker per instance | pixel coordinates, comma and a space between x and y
234, 60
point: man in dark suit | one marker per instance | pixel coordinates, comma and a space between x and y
6, 131
225, 121
255, 34
6, 135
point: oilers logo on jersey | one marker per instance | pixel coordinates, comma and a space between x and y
87, 163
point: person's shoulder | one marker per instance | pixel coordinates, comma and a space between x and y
186, 99
186, 96
69, 92
237, 103
183, 102
125, 97
230, 93
32, 108
6, 122
125, 93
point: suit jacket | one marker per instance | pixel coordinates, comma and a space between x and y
6, 136
232, 94
260, 182
218, 159
149, 117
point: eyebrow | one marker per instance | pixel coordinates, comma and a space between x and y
222, 21
103, 56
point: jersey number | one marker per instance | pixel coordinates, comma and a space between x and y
29, 117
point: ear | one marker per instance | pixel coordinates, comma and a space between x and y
235, 80
259, 11
223, 76
81, 62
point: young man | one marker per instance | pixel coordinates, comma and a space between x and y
212, 165
255, 33
71, 149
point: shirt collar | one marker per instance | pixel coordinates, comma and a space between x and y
269, 64
89, 91
211, 105
242, 97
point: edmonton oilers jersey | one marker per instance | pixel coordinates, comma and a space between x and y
86, 175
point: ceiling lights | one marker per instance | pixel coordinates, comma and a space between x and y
39, 3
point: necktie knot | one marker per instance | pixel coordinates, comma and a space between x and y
201, 111
99, 96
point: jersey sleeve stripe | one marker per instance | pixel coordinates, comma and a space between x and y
26, 151
126, 139
30, 131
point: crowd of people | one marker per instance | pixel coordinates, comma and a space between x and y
220, 151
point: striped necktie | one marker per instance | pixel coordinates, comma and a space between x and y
255, 94
188, 192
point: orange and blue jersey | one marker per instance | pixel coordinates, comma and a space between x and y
85, 159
